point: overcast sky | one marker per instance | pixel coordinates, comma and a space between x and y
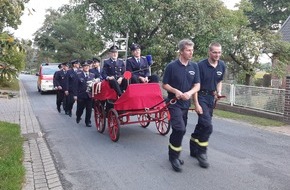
32, 22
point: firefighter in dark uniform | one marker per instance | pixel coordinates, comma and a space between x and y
96, 68
84, 94
71, 78
181, 81
113, 71
60, 86
139, 67
212, 71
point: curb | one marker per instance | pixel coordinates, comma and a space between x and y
40, 168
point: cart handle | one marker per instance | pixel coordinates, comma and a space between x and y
173, 101
217, 99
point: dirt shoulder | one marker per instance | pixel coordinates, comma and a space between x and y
283, 129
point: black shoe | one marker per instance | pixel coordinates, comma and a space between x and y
58, 109
202, 160
66, 112
176, 164
78, 120
69, 113
111, 101
88, 125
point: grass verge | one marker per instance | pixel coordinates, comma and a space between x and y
12, 171
249, 119
13, 85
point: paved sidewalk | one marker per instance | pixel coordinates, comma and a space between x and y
41, 172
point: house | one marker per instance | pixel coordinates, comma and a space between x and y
285, 32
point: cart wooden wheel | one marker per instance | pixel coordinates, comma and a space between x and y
163, 124
113, 125
100, 117
142, 120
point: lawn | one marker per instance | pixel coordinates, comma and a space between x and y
12, 171
249, 119
13, 85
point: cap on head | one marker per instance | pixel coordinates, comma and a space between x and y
89, 61
85, 64
64, 64
135, 46
114, 48
95, 59
76, 61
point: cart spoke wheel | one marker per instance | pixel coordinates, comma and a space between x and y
100, 118
163, 124
143, 120
113, 125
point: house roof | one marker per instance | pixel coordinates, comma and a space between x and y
285, 30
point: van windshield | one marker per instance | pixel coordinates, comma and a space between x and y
48, 70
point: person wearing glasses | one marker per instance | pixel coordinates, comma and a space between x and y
181, 81
212, 72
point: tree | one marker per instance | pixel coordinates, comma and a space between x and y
12, 53
279, 52
12, 58
265, 17
65, 36
159, 25
11, 12
269, 14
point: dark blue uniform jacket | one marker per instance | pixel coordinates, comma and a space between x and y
113, 68
81, 88
138, 69
59, 79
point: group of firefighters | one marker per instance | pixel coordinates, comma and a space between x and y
73, 79
183, 79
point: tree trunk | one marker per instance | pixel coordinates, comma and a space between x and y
247, 79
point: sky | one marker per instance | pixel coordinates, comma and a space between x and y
32, 22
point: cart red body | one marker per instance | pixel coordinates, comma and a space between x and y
143, 100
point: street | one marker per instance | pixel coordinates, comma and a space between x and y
241, 156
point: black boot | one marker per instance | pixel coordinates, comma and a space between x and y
78, 119
174, 160
193, 147
176, 164
202, 160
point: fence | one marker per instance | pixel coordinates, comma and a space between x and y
260, 98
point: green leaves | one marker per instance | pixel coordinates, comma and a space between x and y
10, 13
66, 35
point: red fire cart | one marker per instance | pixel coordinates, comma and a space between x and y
140, 103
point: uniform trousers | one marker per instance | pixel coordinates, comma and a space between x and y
70, 102
152, 79
118, 88
61, 99
204, 128
178, 121
84, 104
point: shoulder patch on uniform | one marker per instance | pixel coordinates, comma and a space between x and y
219, 73
191, 72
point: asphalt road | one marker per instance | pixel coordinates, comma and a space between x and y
242, 157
